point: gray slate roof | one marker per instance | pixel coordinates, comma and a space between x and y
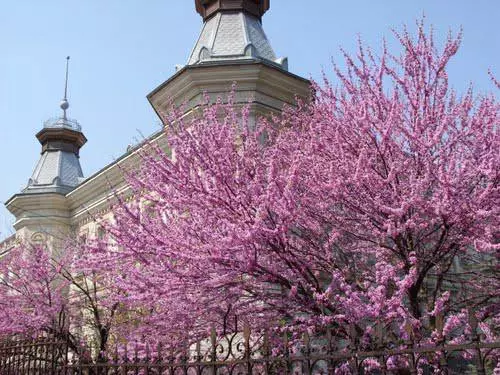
56, 172
232, 36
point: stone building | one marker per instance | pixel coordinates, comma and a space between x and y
232, 47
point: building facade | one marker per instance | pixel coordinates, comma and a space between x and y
58, 201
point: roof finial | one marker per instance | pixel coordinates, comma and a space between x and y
64, 103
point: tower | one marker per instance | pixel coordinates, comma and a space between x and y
232, 48
58, 170
40, 208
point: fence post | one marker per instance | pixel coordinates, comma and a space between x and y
46, 353
66, 356
198, 358
353, 346
8, 361
411, 344
185, 356
171, 362
476, 340
53, 352
147, 360
136, 356
248, 354
287, 353
213, 355
412, 362
159, 359
443, 361
307, 352
329, 351
380, 340
123, 367
15, 358
266, 353
1, 356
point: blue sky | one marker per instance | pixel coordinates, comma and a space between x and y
122, 49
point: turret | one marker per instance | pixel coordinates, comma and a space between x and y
58, 169
232, 48
41, 208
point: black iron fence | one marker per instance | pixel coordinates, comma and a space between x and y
41, 356
249, 352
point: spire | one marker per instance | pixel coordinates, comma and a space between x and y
64, 121
232, 30
58, 170
64, 103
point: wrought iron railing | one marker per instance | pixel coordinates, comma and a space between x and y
62, 123
247, 353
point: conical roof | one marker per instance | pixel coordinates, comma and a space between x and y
232, 30
55, 172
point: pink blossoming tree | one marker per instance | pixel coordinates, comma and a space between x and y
372, 207
59, 296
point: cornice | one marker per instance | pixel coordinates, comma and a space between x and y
254, 78
20, 203
93, 198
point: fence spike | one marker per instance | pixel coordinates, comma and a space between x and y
115, 354
213, 342
147, 353
136, 352
213, 336
266, 344
158, 352
125, 353
246, 331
